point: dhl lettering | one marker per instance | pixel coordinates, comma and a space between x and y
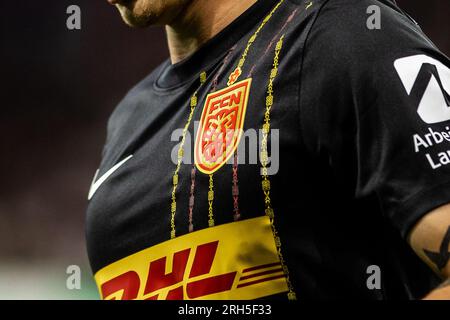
233, 261
158, 278
125, 286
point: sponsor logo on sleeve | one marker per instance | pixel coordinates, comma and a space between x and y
427, 83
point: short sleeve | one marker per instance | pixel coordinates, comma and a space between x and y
376, 102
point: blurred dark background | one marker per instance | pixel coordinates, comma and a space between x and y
58, 89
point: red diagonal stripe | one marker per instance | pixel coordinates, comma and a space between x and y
259, 281
261, 267
261, 274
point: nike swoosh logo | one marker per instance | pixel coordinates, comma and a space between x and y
96, 184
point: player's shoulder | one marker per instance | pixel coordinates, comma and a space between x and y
135, 99
130, 110
355, 36
345, 10
344, 24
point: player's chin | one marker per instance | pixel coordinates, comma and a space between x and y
136, 19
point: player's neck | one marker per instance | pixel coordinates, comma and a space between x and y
199, 22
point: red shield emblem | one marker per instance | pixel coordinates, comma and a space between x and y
221, 126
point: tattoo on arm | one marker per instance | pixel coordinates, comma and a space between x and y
440, 259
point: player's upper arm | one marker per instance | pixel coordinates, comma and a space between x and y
377, 104
430, 239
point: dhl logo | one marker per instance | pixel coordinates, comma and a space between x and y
224, 262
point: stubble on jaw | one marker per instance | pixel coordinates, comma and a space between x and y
143, 13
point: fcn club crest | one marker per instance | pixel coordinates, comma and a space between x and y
221, 126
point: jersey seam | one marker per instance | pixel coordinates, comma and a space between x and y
414, 196
300, 77
400, 215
